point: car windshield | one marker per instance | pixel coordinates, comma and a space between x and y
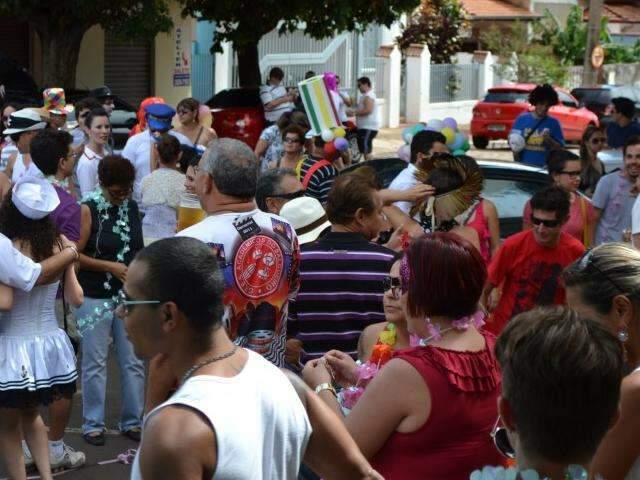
506, 97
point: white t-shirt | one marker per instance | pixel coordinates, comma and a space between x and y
8, 149
258, 253
20, 170
87, 171
269, 93
635, 217
261, 427
370, 121
405, 180
138, 151
341, 107
17, 270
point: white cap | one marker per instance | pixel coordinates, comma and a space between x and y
307, 217
34, 197
25, 120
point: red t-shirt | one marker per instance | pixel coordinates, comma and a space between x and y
529, 275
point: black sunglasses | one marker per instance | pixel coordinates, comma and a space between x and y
547, 223
586, 261
572, 174
393, 284
501, 440
290, 196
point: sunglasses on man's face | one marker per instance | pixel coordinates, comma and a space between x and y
289, 196
124, 303
546, 223
501, 440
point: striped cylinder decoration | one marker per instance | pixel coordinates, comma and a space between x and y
317, 102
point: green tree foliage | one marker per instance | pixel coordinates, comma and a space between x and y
437, 23
245, 22
522, 59
61, 25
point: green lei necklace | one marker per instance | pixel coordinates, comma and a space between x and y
120, 227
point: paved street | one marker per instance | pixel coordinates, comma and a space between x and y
115, 444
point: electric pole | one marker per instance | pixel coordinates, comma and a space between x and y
593, 59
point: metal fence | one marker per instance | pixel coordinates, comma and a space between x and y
373, 68
453, 82
202, 68
573, 77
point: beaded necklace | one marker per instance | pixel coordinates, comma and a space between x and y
120, 227
572, 472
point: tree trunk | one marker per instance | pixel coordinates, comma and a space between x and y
248, 64
60, 52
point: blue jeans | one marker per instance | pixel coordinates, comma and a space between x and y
95, 350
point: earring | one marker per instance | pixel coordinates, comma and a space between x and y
623, 334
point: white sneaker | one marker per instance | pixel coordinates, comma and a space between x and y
28, 459
70, 458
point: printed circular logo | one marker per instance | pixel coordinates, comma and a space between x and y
258, 266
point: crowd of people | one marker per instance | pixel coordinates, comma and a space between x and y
311, 323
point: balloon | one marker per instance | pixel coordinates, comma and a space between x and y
516, 142
418, 127
407, 135
466, 145
451, 123
449, 134
339, 132
327, 135
341, 144
404, 153
459, 152
435, 124
458, 141
330, 150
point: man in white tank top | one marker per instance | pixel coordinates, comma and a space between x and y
234, 415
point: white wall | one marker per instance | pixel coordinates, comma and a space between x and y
461, 111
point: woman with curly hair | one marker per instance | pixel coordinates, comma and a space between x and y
38, 363
110, 237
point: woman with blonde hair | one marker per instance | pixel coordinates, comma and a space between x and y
605, 284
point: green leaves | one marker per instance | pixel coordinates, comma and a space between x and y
438, 24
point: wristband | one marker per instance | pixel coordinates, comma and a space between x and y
326, 386
74, 249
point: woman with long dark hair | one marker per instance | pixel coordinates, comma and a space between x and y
97, 126
38, 364
191, 125
593, 141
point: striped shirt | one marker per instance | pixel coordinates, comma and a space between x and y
340, 292
321, 180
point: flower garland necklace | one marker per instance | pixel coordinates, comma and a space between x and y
572, 472
120, 227
383, 352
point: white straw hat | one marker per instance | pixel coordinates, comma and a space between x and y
34, 197
25, 120
307, 217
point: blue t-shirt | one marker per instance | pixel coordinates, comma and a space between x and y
534, 152
617, 136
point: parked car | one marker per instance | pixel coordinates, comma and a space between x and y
598, 99
507, 184
493, 116
123, 118
238, 113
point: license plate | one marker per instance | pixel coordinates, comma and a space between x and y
496, 128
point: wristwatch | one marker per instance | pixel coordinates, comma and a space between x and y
326, 386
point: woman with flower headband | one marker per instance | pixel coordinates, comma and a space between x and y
110, 237
605, 284
429, 412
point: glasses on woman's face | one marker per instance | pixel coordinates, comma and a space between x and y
291, 140
501, 440
183, 111
119, 193
571, 173
393, 284
598, 140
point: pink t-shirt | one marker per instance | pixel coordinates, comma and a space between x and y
575, 226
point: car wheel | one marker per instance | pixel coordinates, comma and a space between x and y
480, 142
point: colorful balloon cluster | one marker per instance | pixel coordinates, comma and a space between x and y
334, 141
457, 141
